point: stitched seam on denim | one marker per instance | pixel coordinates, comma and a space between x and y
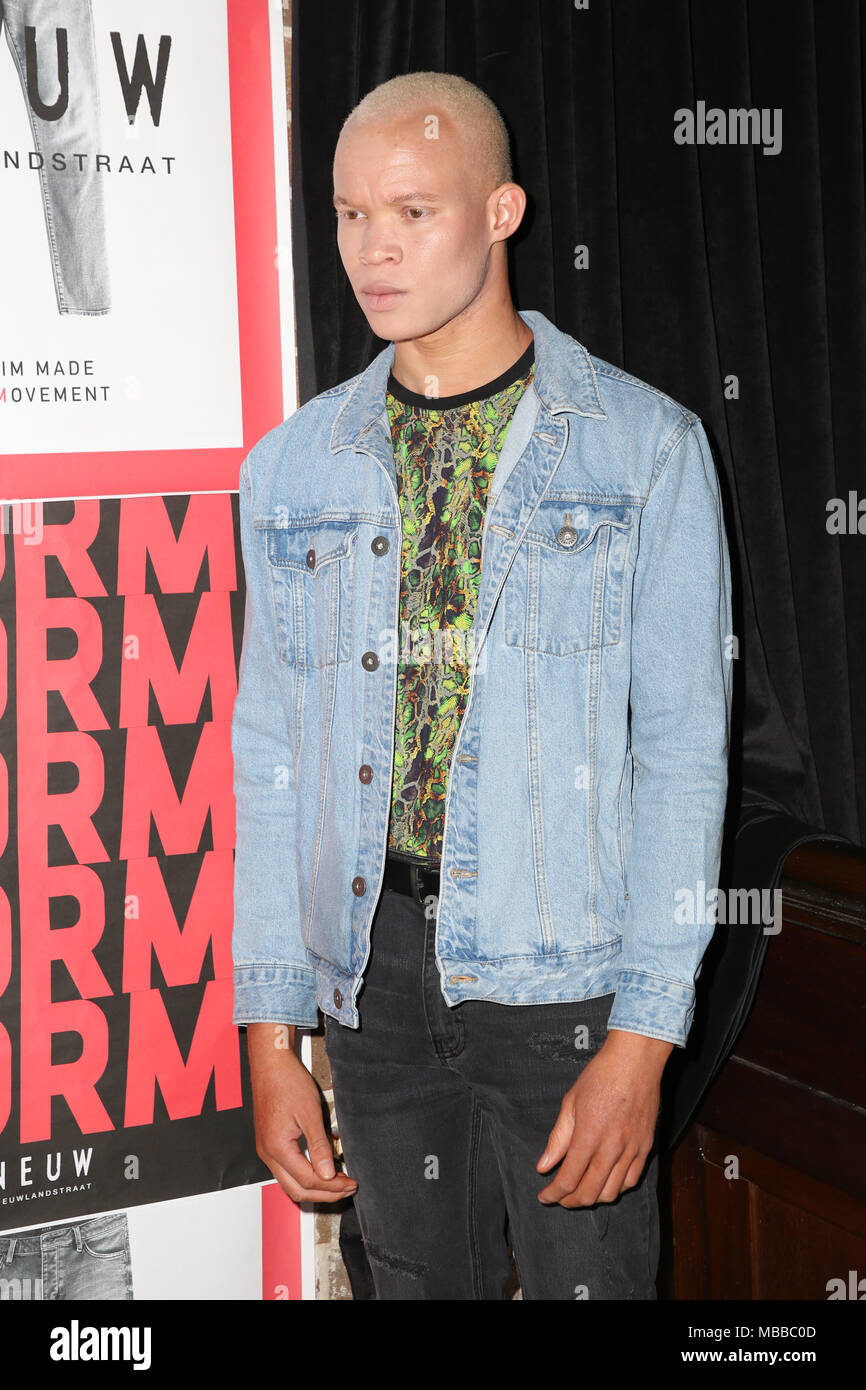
621, 577
475, 1253
516, 1240
591, 365
672, 443
593, 680
290, 645
579, 951
614, 373
304, 521
326, 745
653, 975
530, 661
298, 677
619, 821
647, 1217
599, 588
446, 1050
333, 580
52, 240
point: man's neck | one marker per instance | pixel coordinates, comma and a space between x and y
465, 353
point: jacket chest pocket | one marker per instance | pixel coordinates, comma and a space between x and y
310, 565
564, 592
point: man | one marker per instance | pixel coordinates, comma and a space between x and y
488, 606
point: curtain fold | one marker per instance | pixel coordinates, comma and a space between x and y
728, 277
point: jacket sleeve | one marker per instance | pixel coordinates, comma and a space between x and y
274, 980
680, 698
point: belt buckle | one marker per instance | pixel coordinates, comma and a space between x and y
417, 872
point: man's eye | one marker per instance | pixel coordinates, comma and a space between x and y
416, 219
347, 214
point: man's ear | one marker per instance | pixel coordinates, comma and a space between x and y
507, 205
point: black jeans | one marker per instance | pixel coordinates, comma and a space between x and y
443, 1114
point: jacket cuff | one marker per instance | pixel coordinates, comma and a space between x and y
653, 1006
275, 994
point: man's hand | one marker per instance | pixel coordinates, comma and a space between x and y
287, 1104
606, 1123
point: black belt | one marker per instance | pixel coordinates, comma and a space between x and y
413, 880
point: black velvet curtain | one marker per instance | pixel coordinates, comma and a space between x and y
729, 277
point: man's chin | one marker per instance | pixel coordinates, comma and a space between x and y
393, 326
403, 327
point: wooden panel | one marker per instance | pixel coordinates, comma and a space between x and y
809, 1019
682, 1208
790, 1106
796, 1252
802, 1129
728, 1253
795, 1188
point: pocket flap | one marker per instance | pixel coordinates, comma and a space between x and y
568, 527
307, 546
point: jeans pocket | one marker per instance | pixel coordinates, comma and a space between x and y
108, 1242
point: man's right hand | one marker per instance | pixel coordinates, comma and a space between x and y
287, 1104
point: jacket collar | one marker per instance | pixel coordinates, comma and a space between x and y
564, 379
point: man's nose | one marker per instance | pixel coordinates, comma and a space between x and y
378, 245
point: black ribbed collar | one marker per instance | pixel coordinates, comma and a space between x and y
479, 393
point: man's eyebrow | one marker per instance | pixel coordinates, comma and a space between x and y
412, 197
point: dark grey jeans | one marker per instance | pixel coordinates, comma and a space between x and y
444, 1112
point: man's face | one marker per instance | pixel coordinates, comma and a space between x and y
412, 224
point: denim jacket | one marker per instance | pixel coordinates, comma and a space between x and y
587, 787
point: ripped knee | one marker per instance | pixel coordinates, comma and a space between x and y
395, 1264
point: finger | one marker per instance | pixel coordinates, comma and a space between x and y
610, 1189
299, 1179
570, 1173
616, 1178
298, 1167
558, 1140
318, 1143
635, 1172
573, 1188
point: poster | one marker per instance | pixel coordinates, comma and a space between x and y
146, 343
144, 238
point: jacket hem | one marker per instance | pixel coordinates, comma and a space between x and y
561, 978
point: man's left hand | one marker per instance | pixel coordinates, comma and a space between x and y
606, 1122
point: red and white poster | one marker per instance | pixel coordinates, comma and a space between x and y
146, 343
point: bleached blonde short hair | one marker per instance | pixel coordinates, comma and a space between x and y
479, 118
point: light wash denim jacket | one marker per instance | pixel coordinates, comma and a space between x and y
580, 839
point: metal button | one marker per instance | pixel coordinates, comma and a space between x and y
369, 661
380, 545
365, 773
359, 886
338, 999
566, 535
311, 559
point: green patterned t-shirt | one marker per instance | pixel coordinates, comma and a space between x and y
445, 452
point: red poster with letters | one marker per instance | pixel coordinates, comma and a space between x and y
146, 344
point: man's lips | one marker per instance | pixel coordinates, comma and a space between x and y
378, 297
